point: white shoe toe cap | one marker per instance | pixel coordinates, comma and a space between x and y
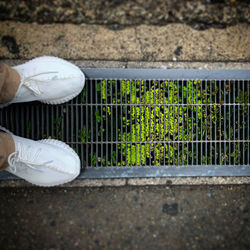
57, 80
54, 162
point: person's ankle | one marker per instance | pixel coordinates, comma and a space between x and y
12, 80
7, 147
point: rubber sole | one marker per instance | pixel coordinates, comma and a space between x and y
4, 105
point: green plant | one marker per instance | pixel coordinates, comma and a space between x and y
58, 127
158, 117
151, 122
158, 120
82, 135
28, 128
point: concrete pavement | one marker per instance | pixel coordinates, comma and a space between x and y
173, 42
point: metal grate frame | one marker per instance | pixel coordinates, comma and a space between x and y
148, 123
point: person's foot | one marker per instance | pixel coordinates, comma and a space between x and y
44, 163
49, 80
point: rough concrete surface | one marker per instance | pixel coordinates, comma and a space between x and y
170, 181
126, 218
174, 42
200, 14
146, 65
167, 214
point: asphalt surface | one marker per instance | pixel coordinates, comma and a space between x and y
163, 217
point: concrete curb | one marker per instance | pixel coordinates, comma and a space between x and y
146, 65
173, 42
140, 182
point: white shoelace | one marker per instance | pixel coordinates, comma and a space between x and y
16, 157
29, 82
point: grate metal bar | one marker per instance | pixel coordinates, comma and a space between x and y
137, 123
248, 120
243, 122
176, 141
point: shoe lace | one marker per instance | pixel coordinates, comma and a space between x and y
31, 162
28, 82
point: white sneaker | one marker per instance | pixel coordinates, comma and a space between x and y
43, 163
49, 80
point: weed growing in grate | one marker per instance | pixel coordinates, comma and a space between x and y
160, 123
29, 128
153, 115
163, 122
167, 122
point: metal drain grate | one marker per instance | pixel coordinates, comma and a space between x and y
146, 123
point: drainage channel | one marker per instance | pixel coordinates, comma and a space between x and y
148, 123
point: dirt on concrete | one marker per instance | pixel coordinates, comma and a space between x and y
170, 217
141, 43
200, 14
